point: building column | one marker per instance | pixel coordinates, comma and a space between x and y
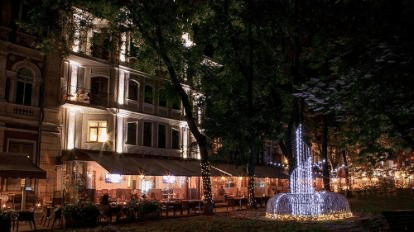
123, 78
119, 134
2, 129
71, 129
123, 47
184, 142
73, 80
3, 61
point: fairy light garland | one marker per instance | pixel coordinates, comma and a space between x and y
205, 173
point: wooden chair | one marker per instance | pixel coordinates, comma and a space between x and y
47, 215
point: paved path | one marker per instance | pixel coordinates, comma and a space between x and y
360, 223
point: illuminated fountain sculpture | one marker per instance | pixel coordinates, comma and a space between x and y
303, 202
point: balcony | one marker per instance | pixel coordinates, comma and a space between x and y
87, 97
18, 36
19, 111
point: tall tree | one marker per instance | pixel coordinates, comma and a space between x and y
362, 76
246, 102
162, 24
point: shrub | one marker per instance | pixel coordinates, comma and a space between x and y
81, 215
148, 207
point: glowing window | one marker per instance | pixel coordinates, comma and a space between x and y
146, 186
97, 131
169, 179
113, 178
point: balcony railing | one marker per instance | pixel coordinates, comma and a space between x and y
18, 36
19, 111
86, 96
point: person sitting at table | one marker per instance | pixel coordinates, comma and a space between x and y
221, 194
134, 200
104, 199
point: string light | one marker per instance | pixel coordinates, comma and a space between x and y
205, 174
303, 203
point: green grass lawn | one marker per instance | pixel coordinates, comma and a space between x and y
375, 204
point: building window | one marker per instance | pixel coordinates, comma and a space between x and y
161, 136
7, 90
133, 90
23, 147
148, 134
99, 91
175, 135
24, 87
162, 98
101, 43
175, 103
97, 131
229, 184
132, 133
148, 94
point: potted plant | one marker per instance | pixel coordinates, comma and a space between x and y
149, 210
81, 215
5, 222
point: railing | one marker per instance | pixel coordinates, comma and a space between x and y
86, 96
19, 111
18, 37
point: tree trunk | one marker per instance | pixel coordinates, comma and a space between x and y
325, 166
205, 176
251, 184
348, 182
192, 124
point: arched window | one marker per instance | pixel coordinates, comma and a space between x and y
133, 90
24, 86
149, 94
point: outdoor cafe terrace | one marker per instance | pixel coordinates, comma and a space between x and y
90, 174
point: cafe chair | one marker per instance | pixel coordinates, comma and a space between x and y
24, 216
47, 215
57, 216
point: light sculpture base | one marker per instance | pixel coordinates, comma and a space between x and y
318, 206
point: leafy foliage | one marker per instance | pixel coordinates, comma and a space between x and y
359, 72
